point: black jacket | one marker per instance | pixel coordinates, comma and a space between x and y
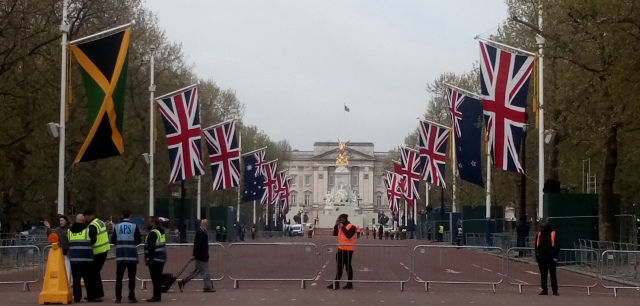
545, 250
150, 245
349, 233
201, 245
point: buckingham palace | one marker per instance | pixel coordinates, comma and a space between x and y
314, 183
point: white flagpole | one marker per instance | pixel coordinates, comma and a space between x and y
254, 212
64, 28
540, 41
199, 198
426, 198
405, 213
152, 89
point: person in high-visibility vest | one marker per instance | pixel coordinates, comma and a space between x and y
440, 233
100, 241
459, 235
81, 258
346, 246
155, 255
126, 238
547, 249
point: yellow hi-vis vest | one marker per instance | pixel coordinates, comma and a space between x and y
102, 237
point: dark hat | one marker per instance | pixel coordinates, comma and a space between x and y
88, 212
344, 216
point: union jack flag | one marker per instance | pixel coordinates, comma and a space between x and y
224, 155
181, 117
394, 190
433, 152
270, 195
284, 190
410, 170
504, 78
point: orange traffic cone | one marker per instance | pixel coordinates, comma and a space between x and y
55, 289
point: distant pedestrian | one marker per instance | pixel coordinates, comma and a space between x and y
441, 233
459, 235
374, 233
366, 232
126, 239
253, 232
547, 250
346, 246
201, 256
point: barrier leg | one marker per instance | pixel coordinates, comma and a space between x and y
494, 288
615, 292
401, 286
25, 287
143, 286
303, 285
520, 288
235, 284
589, 291
426, 286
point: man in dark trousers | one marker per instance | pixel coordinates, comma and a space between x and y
126, 238
346, 246
100, 241
81, 259
155, 255
201, 255
547, 249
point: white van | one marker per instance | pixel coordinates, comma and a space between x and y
297, 230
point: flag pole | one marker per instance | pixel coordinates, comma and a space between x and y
254, 212
198, 198
240, 178
344, 118
488, 198
540, 41
454, 170
152, 89
405, 213
64, 28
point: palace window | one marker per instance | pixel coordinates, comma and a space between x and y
378, 200
293, 199
355, 173
307, 180
331, 174
294, 180
307, 200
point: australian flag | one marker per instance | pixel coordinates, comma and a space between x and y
253, 178
466, 115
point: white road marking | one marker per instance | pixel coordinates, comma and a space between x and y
532, 272
522, 282
402, 264
487, 269
314, 284
475, 265
365, 269
451, 271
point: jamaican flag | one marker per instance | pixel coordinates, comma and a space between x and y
103, 64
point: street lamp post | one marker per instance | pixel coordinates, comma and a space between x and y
523, 227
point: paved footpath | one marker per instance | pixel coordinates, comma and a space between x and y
451, 264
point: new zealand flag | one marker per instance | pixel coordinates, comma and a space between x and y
253, 178
466, 113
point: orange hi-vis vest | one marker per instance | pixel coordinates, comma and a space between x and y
344, 243
553, 238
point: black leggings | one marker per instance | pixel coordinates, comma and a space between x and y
344, 261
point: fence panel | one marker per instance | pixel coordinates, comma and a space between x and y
178, 254
20, 265
372, 263
522, 268
263, 262
446, 264
619, 270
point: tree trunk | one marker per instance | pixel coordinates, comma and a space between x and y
605, 203
554, 162
17, 157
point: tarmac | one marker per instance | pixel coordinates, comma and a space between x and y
389, 261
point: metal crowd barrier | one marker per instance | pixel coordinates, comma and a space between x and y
619, 270
523, 270
251, 261
177, 256
20, 265
447, 264
372, 263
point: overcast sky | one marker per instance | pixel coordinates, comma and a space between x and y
295, 63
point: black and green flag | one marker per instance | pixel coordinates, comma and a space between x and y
103, 64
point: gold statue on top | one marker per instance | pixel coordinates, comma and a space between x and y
342, 154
